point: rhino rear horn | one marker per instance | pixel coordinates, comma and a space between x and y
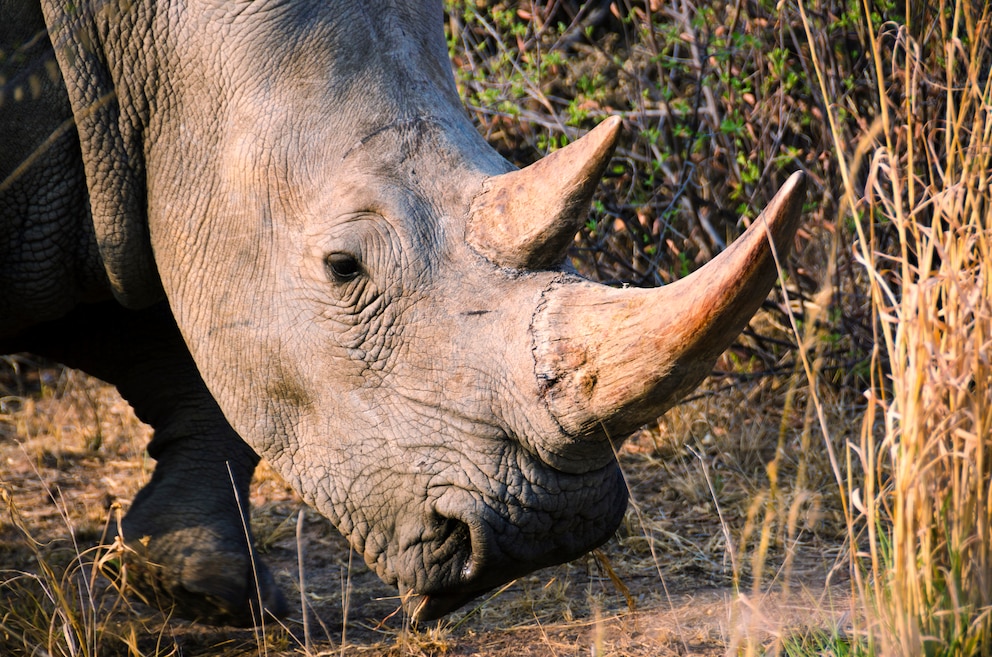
526, 219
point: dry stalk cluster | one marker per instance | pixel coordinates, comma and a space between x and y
918, 189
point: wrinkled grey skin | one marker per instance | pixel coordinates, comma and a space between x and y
193, 165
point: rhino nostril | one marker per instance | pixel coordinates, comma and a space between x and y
460, 543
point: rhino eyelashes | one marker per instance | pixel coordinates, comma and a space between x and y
342, 267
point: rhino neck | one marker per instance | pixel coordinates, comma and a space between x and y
110, 124
48, 256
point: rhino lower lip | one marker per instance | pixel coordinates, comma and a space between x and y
426, 607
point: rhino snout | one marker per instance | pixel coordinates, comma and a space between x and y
482, 541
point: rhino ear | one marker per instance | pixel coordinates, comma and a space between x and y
526, 219
112, 154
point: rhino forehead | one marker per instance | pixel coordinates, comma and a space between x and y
297, 51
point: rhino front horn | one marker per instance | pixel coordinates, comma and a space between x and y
610, 360
527, 218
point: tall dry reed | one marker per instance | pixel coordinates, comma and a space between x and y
917, 184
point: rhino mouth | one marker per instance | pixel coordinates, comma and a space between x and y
428, 607
482, 543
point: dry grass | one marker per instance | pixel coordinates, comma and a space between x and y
921, 508
665, 585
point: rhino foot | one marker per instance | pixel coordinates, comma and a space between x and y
196, 574
190, 553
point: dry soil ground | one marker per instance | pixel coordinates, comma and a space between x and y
71, 450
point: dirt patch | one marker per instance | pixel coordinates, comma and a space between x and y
72, 457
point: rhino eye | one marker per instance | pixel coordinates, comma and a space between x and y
342, 267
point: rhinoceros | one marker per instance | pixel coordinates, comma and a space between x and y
272, 225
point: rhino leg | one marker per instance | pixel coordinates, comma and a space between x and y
197, 552
188, 525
